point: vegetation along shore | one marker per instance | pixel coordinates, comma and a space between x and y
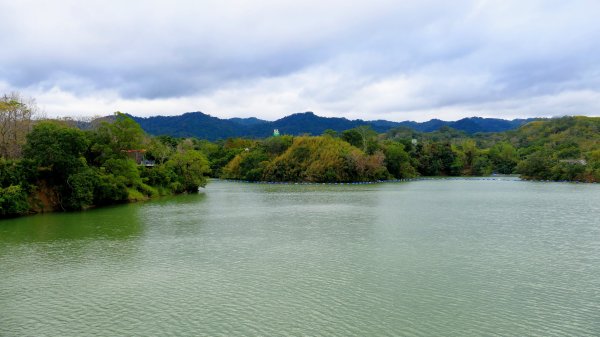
58, 165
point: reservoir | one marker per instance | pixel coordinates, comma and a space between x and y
467, 257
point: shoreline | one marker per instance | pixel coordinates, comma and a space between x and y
389, 181
488, 178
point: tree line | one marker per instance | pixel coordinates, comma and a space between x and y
53, 165
560, 149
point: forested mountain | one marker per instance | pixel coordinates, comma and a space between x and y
200, 125
248, 121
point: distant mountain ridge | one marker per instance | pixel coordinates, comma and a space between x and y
200, 125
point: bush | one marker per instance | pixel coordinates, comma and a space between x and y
159, 176
18, 172
13, 201
135, 195
80, 193
109, 190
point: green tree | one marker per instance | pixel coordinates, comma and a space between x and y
190, 168
397, 161
123, 169
274, 146
437, 158
81, 190
113, 139
362, 137
57, 150
330, 133
537, 165
159, 151
13, 201
504, 157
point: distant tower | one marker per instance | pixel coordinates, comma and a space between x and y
275, 132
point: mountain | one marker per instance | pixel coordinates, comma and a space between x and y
192, 124
198, 124
308, 122
248, 121
478, 124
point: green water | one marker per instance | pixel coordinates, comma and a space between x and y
428, 258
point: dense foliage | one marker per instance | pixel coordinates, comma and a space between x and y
562, 149
314, 159
565, 148
65, 168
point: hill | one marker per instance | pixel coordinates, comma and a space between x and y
566, 148
200, 125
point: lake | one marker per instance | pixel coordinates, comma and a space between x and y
465, 257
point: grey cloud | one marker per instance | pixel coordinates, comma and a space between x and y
455, 54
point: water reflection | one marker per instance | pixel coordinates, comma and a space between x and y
111, 223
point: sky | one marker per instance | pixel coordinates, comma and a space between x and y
377, 59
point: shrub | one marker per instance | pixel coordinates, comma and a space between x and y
13, 201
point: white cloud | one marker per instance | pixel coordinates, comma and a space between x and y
375, 59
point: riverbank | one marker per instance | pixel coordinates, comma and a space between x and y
490, 178
46, 203
62, 168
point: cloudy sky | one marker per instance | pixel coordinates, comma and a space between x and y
376, 59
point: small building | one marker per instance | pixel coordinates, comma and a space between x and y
275, 132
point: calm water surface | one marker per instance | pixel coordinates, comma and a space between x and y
428, 258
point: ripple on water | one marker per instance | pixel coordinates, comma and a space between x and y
452, 258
